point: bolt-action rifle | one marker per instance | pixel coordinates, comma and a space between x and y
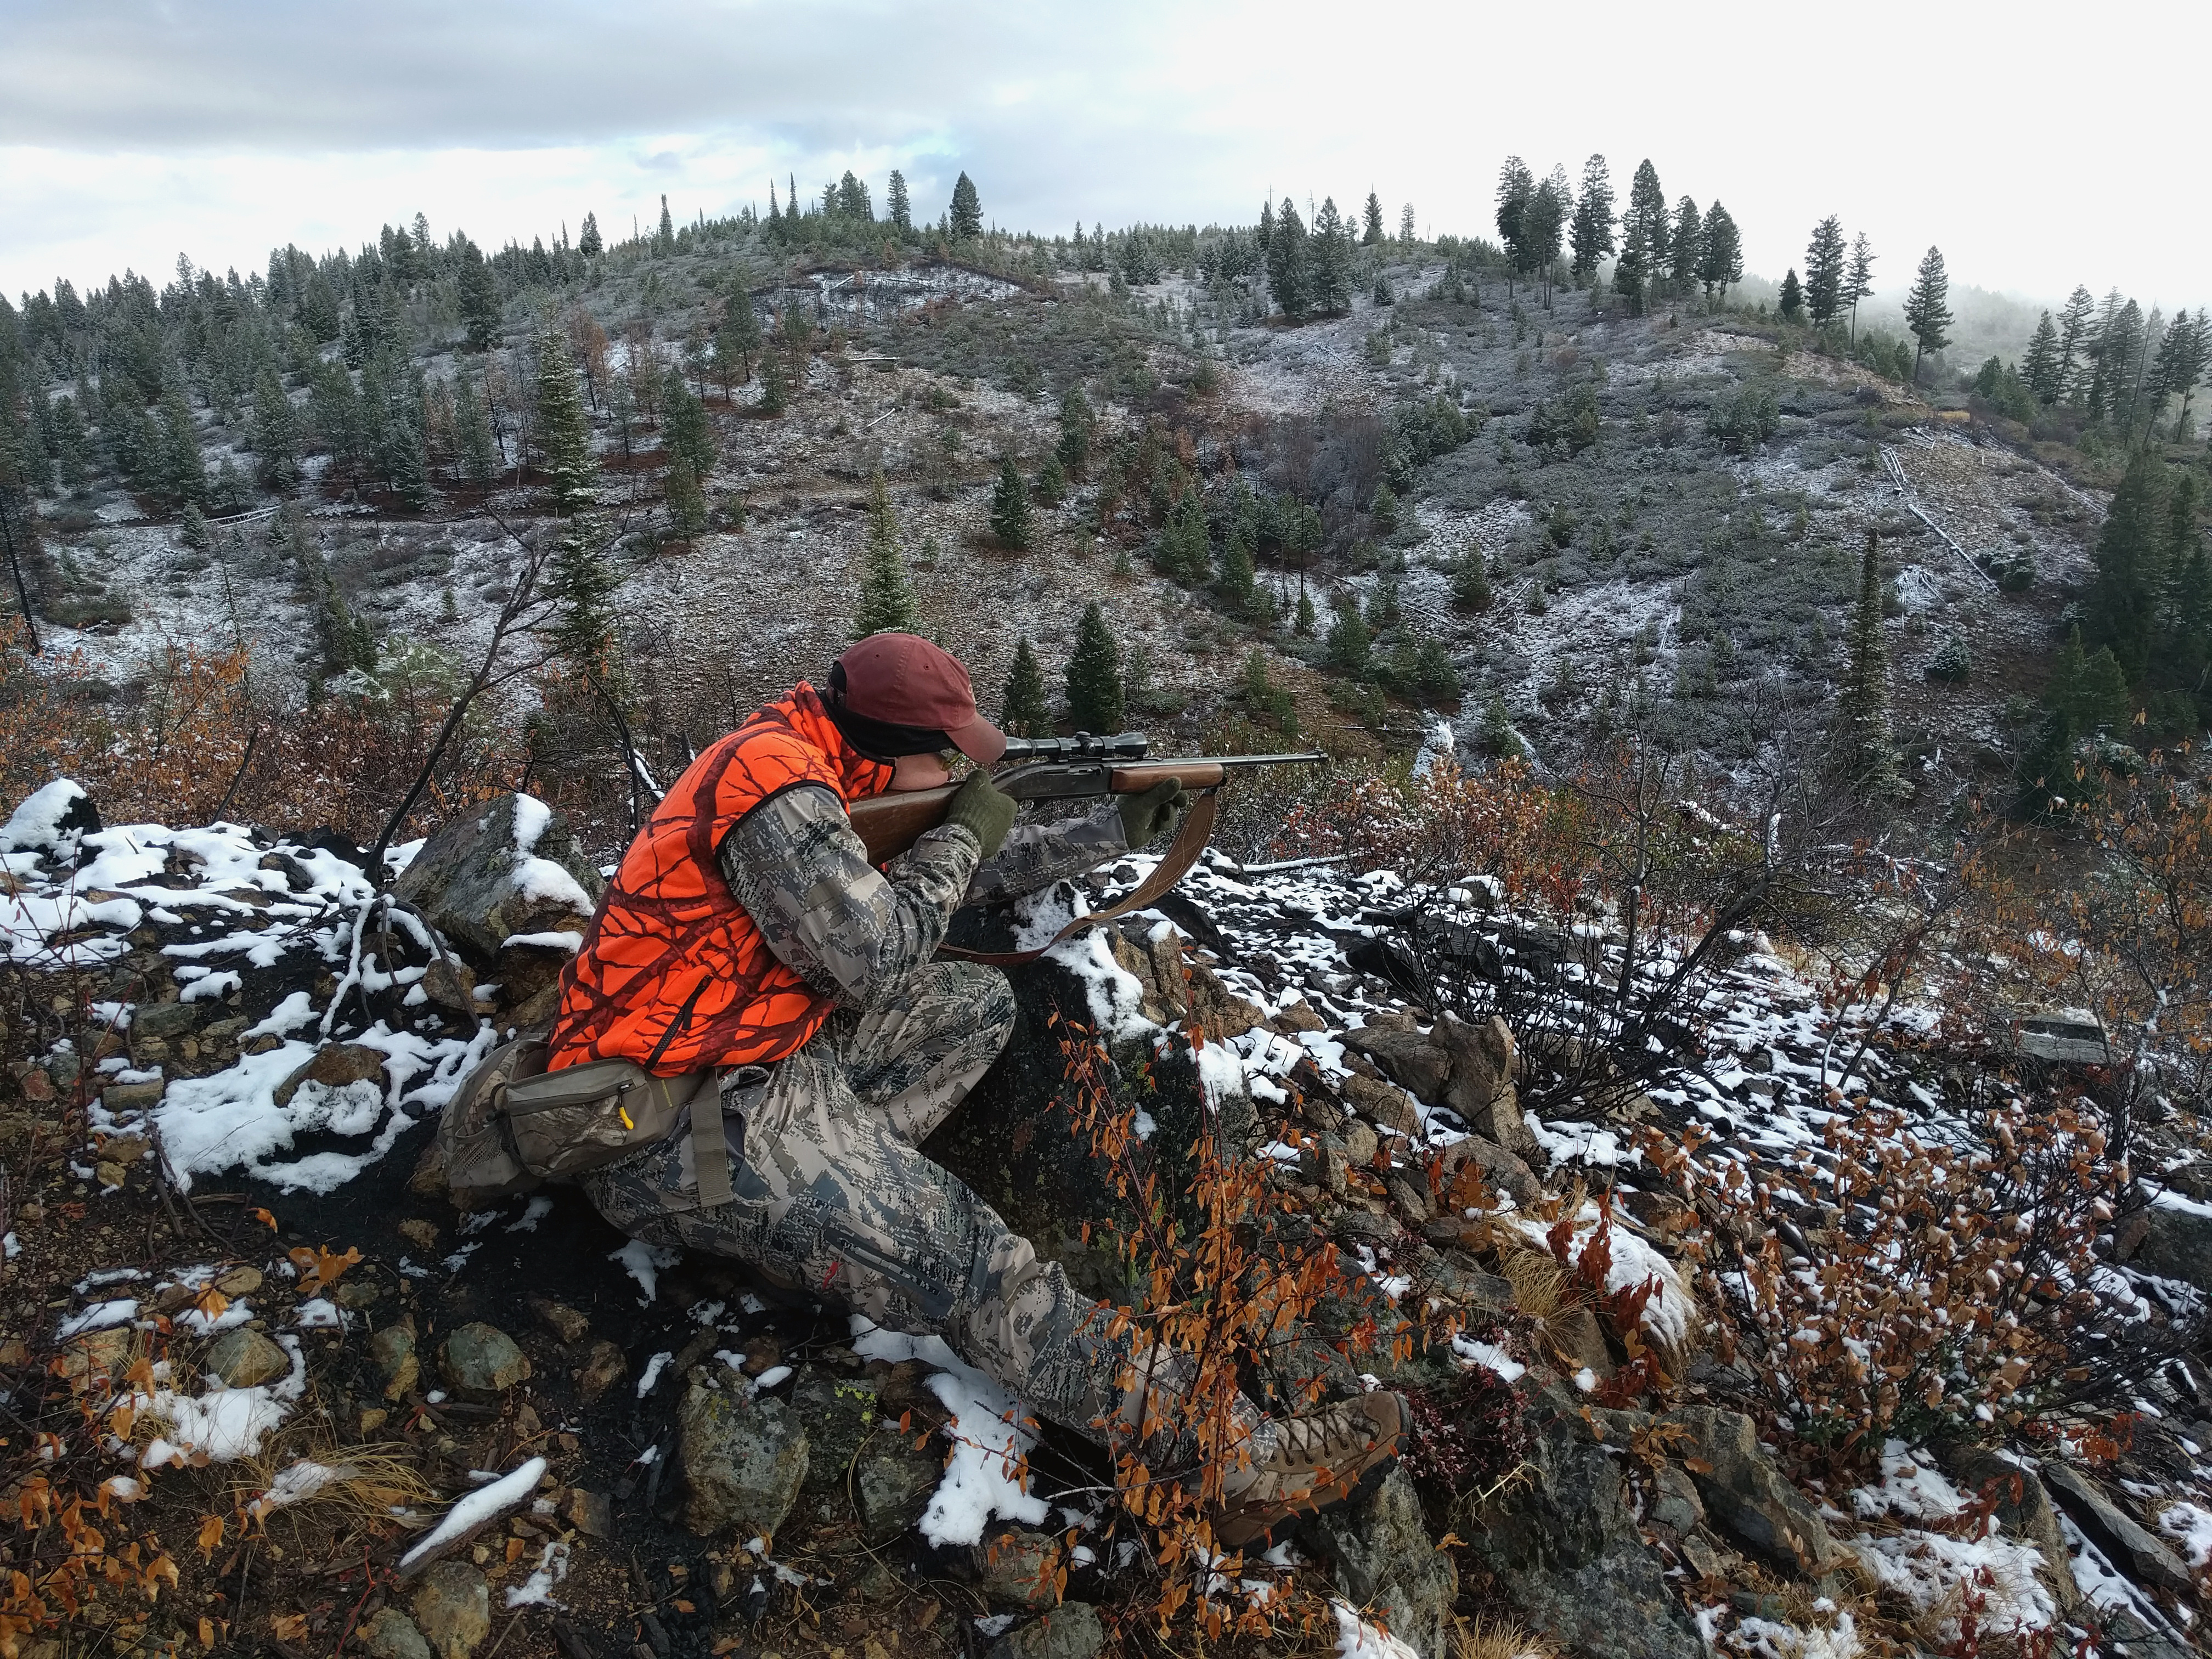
1055, 769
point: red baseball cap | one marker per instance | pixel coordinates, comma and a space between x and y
902, 679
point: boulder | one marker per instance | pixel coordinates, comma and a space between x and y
1070, 1630
1380, 1552
1749, 1497
481, 1362
335, 1065
1567, 1554
52, 820
1406, 1057
2128, 1543
838, 1412
743, 1459
1483, 1058
392, 1635
2022, 1509
1506, 1171
511, 869
452, 1607
1381, 1105
2177, 1243
167, 1019
891, 1485
1018, 1568
244, 1358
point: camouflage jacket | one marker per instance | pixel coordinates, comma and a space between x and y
847, 929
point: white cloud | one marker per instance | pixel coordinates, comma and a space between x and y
2038, 149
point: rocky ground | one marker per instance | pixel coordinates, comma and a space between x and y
347, 1414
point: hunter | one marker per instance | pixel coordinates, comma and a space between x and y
746, 931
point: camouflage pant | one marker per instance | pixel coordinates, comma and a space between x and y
832, 1199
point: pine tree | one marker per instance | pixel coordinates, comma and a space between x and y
663, 239
2073, 334
1858, 281
1689, 250
276, 434
2121, 608
564, 434
2181, 358
1237, 584
853, 203
1926, 311
1371, 222
1542, 222
1349, 642
1051, 480
1076, 419
2040, 367
1289, 275
1792, 302
1591, 234
1305, 614
478, 454
687, 503
684, 427
1405, 226
479, 296
1516, 186
1331, 249
1723, 266
1025, 713
773, 395
887, 604
1184, 554
967, 211
192, 528
1383, 507
183, 470
583, 586
1009, 508
737, 342
1827, 272
587, 239
1094, 677
1863, 752
1643, 237
897, 204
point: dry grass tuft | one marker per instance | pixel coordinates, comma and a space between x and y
1499, 1638
1541, 1285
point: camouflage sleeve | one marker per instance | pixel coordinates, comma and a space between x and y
1035, 855
829, 915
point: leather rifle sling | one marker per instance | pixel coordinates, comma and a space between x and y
1182, 852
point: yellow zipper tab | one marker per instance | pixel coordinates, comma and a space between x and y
624, 1112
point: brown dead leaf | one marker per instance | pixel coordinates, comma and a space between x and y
290, 1626
211, 1536
319, 1267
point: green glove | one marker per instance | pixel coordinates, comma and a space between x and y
1145, 816
981, 810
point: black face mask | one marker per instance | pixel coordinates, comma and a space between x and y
878, 740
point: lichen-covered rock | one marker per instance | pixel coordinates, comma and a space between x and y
1566, 1552
838, 1411
1383, 1561
453, 1608
1749, 1497
891, 1486
744, 1460
336, 1066
481, 1362
511, 869
244, 1358
1019, 1568
1071, 1631
392, 1348
2177, 1243
392, 1635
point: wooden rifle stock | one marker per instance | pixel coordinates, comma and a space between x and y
890, 823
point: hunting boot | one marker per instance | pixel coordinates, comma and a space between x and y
1314, 1460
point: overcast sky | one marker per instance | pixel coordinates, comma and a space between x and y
2038, 148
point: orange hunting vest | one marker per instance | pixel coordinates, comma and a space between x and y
670, 947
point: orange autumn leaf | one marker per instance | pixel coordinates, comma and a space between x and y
319, 1267
211, 1535
290, 1626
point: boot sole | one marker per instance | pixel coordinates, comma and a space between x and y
1249, 1532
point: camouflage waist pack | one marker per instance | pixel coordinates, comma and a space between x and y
513, 1125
